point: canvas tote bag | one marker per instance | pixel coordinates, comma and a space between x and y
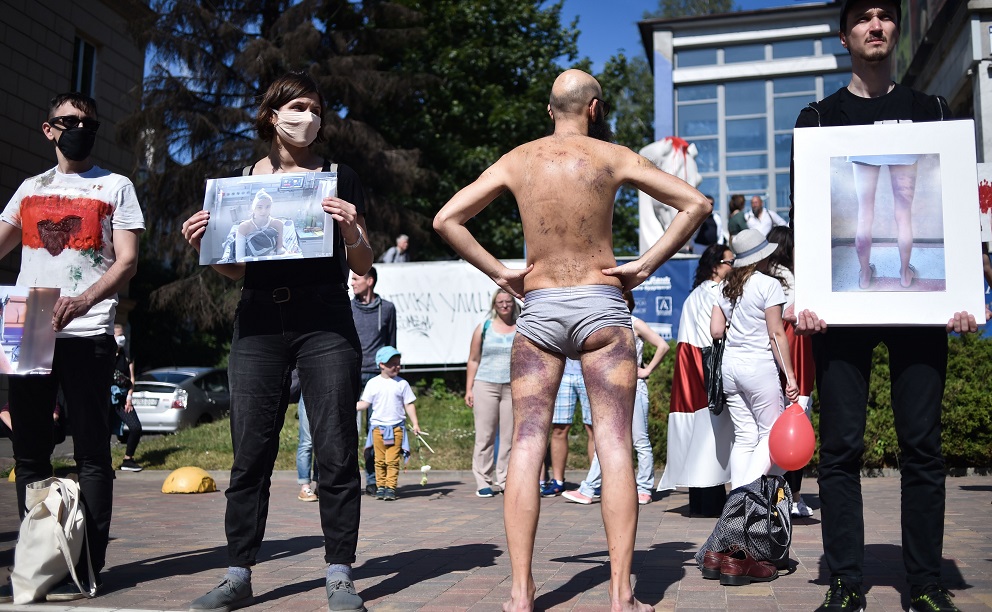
51, 540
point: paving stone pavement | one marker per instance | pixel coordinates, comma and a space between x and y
440, 548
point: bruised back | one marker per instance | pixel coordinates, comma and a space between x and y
565, 187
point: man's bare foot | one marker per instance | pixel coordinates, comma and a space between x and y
630, 605
521, 602
518, 605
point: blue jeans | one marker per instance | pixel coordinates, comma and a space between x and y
642, 445
313, 331
304, 450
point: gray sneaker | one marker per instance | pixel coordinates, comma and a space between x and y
230, 594
341, 594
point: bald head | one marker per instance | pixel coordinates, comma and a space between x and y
572, 92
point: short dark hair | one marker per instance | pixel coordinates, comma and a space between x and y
286, 88
80, 101
373, 275
846, 6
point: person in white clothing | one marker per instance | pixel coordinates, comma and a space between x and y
761, 218
752, 301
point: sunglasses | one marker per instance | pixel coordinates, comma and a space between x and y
603, 103
729, 262
69, 122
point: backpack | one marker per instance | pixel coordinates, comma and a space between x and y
708, 232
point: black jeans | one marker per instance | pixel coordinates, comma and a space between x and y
314, 331
83, 367
918, 368
134, 429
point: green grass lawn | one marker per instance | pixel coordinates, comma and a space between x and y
440, 412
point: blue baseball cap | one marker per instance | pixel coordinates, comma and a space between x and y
385, 354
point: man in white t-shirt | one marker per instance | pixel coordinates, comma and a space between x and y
78, 225
761, 218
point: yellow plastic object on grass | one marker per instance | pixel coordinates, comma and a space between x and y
189, 480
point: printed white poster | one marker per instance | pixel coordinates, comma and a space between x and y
886, 224
26, 333
268, 217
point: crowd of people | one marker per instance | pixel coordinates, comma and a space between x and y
558, 331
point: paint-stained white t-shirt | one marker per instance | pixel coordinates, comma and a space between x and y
67, 223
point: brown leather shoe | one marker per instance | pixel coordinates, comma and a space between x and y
740, 568
711, 564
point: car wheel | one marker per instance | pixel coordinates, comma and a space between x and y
204, 418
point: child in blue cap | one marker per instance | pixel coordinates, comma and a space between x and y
391, 400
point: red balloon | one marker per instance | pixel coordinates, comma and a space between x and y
791, 441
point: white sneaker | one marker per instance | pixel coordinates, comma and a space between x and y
801, 510
578, 498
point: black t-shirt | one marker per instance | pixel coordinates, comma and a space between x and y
314, 270
845, 108
900, 104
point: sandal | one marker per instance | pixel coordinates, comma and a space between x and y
871, 277
912, 278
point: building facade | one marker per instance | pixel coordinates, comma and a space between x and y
57, 46
733, 84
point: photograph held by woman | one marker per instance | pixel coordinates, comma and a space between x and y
294, 314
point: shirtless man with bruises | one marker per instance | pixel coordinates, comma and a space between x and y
565, 185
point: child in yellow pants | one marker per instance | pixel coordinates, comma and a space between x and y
391, 401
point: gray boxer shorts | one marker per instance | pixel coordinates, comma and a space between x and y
560, 319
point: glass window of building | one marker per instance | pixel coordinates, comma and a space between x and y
696, 93
697, 120
793, 48
744, 98
831, 46
708, 156
83, 67
695, 57
833, 82
744, 53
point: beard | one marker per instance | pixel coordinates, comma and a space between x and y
876, 54
600, 129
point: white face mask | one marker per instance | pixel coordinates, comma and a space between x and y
120, 341
300, 128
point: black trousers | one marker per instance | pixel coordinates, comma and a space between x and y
315, 332
918, 369
133, 427
82, 367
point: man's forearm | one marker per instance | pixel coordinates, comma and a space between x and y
111, 281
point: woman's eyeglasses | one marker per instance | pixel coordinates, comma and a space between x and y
729, 262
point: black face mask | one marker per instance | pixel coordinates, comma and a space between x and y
77, 143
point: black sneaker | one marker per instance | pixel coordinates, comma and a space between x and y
933, 598
380, 493
389, 494
370, 490
130, 465
6, 593
230, 594
68, 591
843, 598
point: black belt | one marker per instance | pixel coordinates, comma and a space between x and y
281, 295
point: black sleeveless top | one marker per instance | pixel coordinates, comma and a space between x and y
314, 270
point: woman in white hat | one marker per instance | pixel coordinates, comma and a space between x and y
751, 300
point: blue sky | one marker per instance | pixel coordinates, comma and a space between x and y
609, 25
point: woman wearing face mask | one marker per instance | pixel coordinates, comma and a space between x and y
294, 313
121, 400
261, 234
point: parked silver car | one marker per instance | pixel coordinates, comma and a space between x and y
168, 399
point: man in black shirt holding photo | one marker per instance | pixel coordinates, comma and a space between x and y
869, 30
